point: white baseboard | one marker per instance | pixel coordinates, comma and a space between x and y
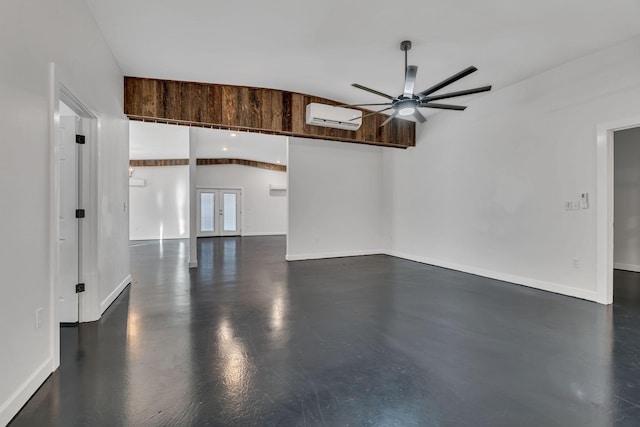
334, 254
193, 264
627, 267
506, 277
264, 233
16, 401
139, 239
113, 295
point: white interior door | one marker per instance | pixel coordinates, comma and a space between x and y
68, 241
218, 212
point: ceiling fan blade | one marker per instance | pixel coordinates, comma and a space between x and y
356, 85
459, 93
391, 117
418, 115
410, 81
442, 106
362, 105
448, 81
371, 114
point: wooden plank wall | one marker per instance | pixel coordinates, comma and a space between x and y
250, 109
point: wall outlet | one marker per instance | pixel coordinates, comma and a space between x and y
38, 318
575, 262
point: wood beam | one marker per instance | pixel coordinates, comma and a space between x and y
250, 109
158, 162
243, 162
209, 162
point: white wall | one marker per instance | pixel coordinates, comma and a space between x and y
484, 190
335, 199
150, 141
263, 211
32, 34
160, 209
626, 169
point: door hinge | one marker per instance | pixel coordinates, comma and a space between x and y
80, 139
79, 288
80, 213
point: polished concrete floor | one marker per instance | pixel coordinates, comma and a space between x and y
250, 340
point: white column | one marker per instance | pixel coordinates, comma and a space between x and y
193, 205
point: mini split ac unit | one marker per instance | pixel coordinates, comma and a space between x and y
333, 117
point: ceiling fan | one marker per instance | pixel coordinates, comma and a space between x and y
407, 103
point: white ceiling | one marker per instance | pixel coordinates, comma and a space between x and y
322, 47
160, 141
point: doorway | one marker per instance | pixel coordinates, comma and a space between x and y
605, 205
74, 227
626, 215
219, 212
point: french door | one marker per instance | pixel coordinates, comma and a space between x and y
218, 212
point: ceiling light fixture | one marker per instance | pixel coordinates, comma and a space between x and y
233, 135
406, 108
224, 148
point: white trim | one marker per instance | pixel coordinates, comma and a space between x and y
193, 264
54, 223
113, 295
604, 205
264, 233
627, 267
505, 277
334, 254
21, 396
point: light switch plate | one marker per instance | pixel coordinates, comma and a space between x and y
584, 201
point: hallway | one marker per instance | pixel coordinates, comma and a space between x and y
249, 339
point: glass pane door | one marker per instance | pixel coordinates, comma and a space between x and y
229, 212
207, 212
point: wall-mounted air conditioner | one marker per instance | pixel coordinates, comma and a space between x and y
333, 117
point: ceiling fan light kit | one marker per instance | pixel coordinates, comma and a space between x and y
408, 103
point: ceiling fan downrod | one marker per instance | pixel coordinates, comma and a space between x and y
405, 46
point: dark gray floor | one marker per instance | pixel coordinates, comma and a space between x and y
250, 340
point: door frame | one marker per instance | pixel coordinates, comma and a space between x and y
604, 211
88, 302
240, 214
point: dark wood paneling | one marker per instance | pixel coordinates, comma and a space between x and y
243, 162
159, 162
250, 109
